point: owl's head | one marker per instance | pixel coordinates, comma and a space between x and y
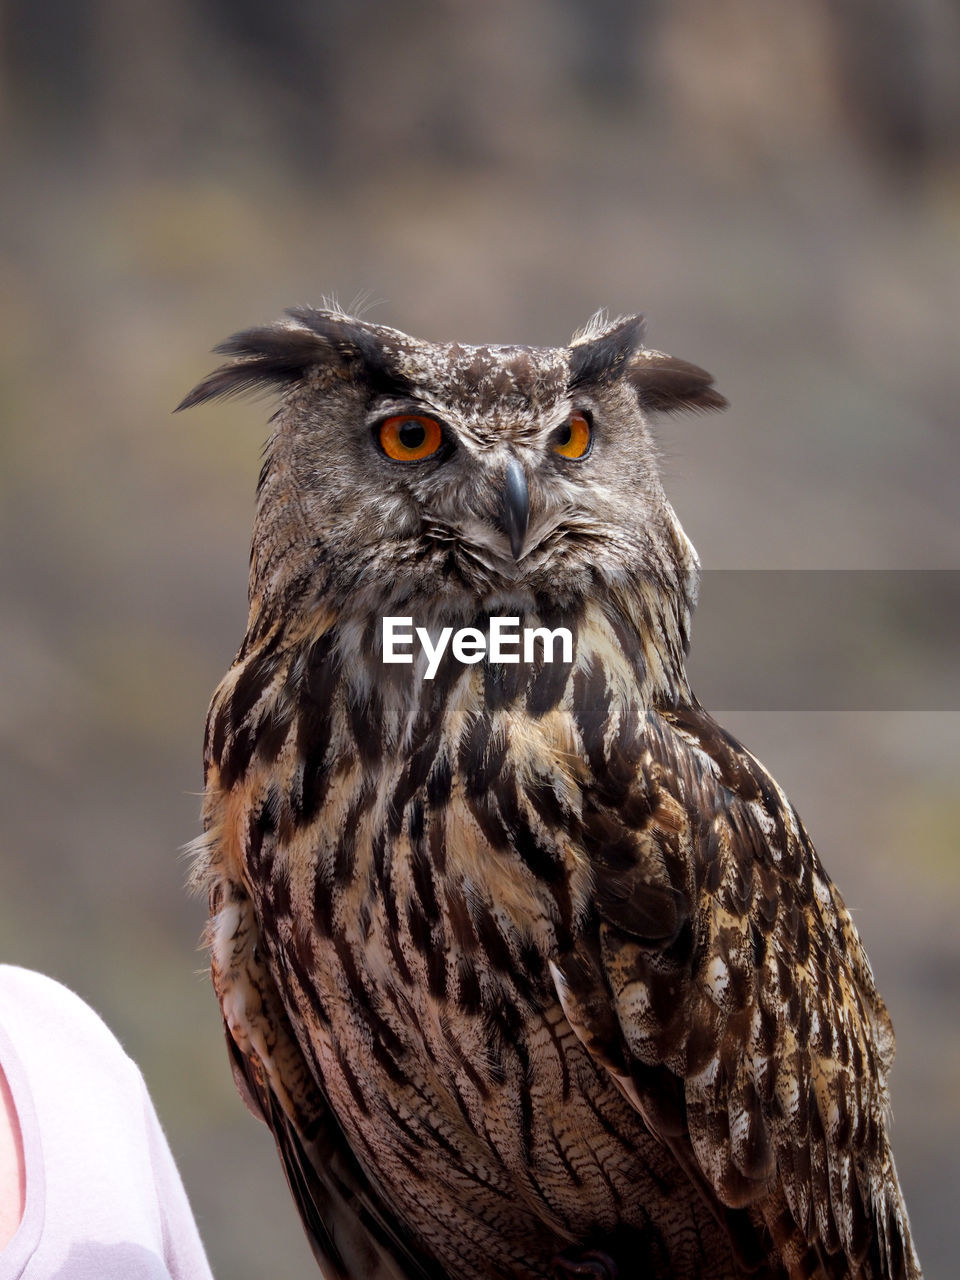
404, 475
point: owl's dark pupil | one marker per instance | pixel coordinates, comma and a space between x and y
411, 434
564, 433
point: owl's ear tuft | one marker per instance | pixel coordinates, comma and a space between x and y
276, 355
668, 385
601, 350
272, 356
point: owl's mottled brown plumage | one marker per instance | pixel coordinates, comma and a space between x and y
531, 968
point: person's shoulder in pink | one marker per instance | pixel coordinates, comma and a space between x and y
84, 1164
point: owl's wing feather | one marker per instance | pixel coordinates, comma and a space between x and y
309, 1194
723, 984
353, 1233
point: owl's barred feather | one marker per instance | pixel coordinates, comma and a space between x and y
531, 968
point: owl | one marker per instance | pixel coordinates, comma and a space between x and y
529, 966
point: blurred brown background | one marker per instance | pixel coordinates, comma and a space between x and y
777, 187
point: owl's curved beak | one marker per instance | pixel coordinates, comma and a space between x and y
515, 506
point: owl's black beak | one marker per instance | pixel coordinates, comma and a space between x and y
515, 506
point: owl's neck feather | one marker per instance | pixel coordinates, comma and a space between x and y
636, 627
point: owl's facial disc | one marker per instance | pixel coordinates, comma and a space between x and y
399, 469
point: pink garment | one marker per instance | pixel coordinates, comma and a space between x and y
104, 1199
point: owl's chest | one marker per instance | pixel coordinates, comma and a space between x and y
410, 923
416, 914
434, 884
415, 852
425, 999
439, 836
436, 1031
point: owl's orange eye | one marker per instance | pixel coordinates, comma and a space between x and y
574, 438
408, 437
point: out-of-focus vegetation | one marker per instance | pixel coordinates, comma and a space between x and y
777, 186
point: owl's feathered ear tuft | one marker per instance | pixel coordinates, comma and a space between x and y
605, 349
668, 385
601, 350
276, 355
262, 358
